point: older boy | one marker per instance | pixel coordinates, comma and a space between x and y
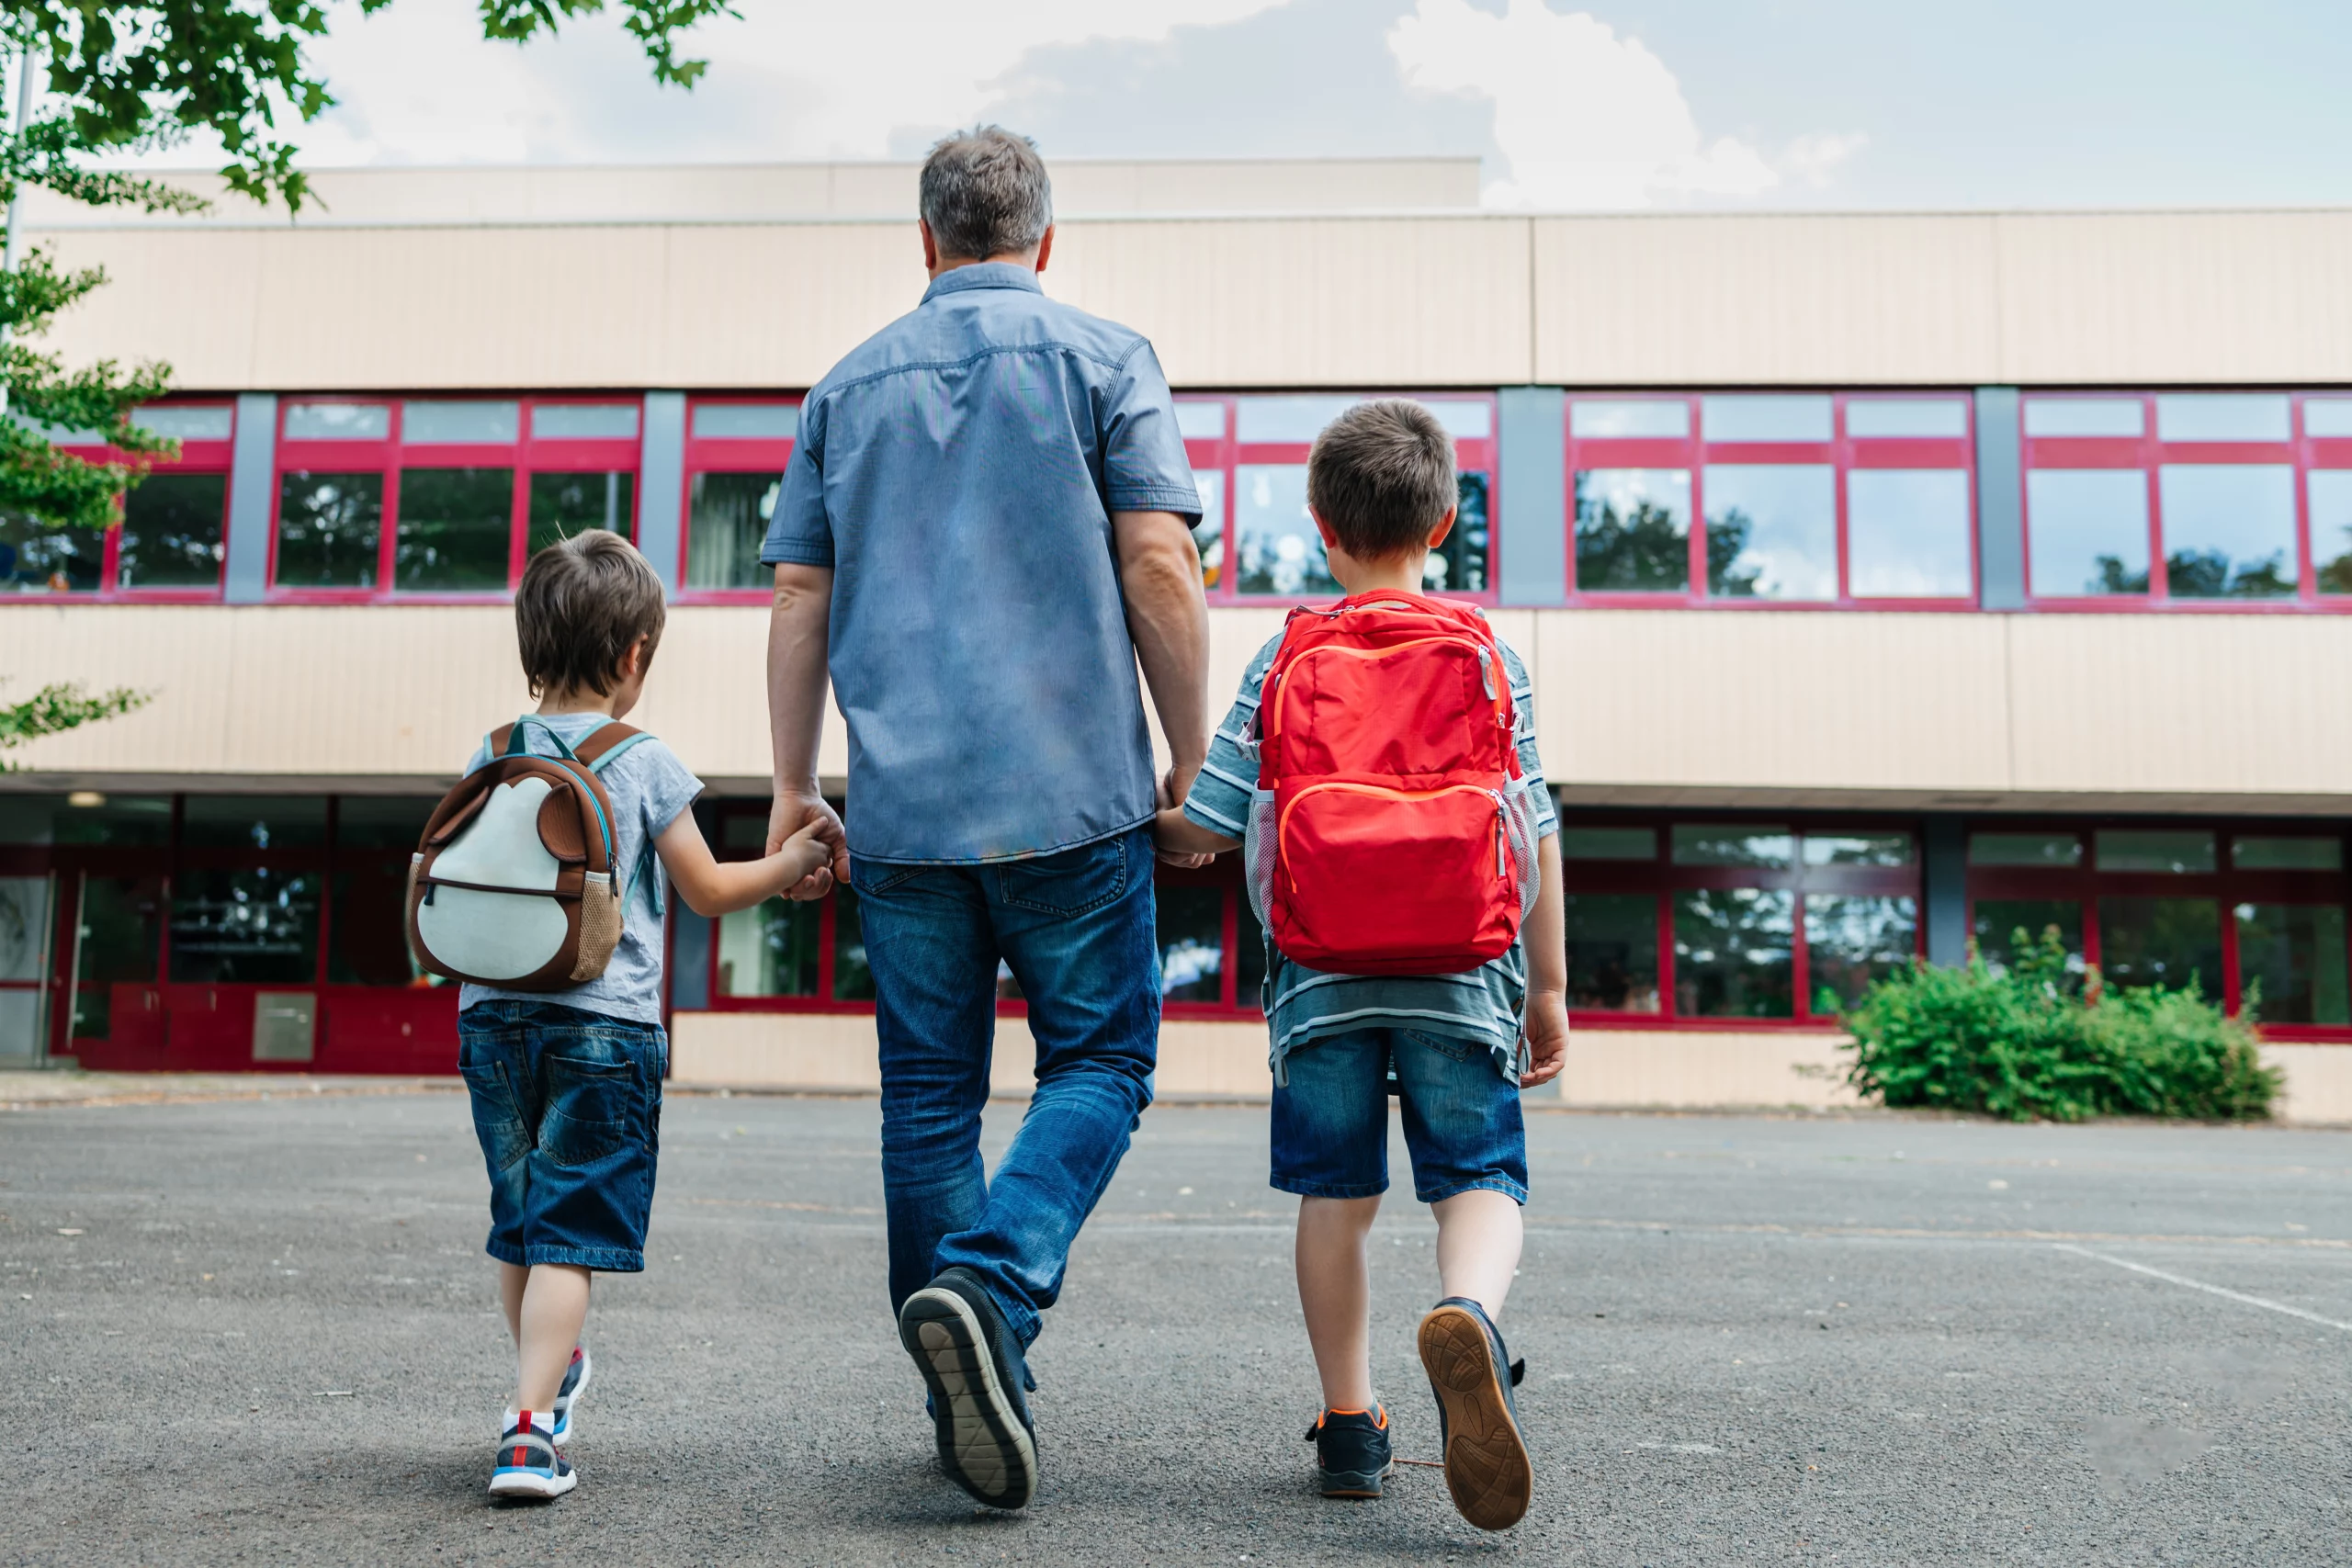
1381, 487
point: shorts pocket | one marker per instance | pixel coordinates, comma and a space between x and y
592, 1109
1075, 882
1453, 1047
498, 1121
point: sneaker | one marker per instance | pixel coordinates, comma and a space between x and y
969, 1357
575, 1383
1486, 1467
528, 1465
1351, 1451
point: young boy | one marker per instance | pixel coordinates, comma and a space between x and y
567, 1085
1380, 485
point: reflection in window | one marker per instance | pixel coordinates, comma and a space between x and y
2177, 853
1636, 418
1612, 951
769, 949
1852, 941
1769, 416
120, 935
2085, 416
2005, 926
257, 927
1608, 843
1944, 417
338, 421
1771, 531
2025, 849
1735, 952
1208, 533
727, 520
1858, 849
24, 935
2291, 962
1633, 529
380, 822
1250, 962
170, 532
2229, 530
368, 928
853, 974
456, 527
2250, 852
2087, 531
254, 822
327, 529
2161, 942
425, 422
2221, 416
1459, 565
1907, 534
42, 557
143, 820
566, 505
583, 421
2327, 417
746, 422
1191, 943
1733, 844
1279, 550
2330, 491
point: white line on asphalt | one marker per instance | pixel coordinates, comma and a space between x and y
2262, 1302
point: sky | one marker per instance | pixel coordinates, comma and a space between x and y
1615, 104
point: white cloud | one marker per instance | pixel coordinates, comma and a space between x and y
1813, 157
1586, 118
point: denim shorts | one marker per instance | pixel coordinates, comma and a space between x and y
1463, 1126
568, 1107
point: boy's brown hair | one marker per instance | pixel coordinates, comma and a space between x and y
582, 604
1382, 475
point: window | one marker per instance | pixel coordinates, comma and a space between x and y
1787, 498
1249, 457
736, 453
171, 536
1734, 920
432, 497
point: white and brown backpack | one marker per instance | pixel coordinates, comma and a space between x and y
514, 882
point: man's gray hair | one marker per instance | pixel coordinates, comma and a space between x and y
985, 194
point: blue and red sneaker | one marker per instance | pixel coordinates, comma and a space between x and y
575, 1383
528, 1465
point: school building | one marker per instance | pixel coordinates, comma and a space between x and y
1889, 580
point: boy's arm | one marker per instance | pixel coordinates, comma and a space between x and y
1545, 932
712, 887
1177, 834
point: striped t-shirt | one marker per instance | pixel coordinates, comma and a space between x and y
1303, 1004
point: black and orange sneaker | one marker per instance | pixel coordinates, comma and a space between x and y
1352, 1455
529, 1466
1486, 1467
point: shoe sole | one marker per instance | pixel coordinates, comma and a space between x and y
587, 1371
982, 1444
525, 1483
1486, 1467
1355, 1485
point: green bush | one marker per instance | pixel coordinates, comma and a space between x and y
2035, 1040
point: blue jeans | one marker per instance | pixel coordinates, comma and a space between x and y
1463, 1125
1077, 931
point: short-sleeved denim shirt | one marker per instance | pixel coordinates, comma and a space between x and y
957, 471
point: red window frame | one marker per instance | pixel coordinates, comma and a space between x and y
195, 458
1844, 454
2085, 884
1225, 454
730, 455
1660, 879
390, 456
2147, 453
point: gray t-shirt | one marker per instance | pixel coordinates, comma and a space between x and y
647, 787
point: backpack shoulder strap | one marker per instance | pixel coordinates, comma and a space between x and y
507, 740
495, 744
608, 742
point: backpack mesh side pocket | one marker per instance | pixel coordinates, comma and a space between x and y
1258, 856
1520, 826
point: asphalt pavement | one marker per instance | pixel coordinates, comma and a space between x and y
263, 1331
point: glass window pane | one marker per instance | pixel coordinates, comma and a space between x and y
119, 941
367, 926
2087, 531
254, 822
2085, 416
1465, 419
746, 422
1868, 417
240, 928
186, 421
381, 822
1907, 534
425, 423
853, 976
170, 532
727, 522
1459, 565
1853, 942
140, 820
1289, 420
24, 929
456, 529
1858, 849
2000, 923
2248, 853
2331, 499
1732, 843
1208, 533
1200, 421
1633, 530
2221, 416
2176, 852
2025, 849
2229, 530
1612, 951
328, 528
42, 557
1191, 943
338, 421
2161, 942
1771, 531
2291, 962
743, 831
1769, 417
1250, 963
583, 421
1608, 843
769, 949
1638, 418
2327, 416
1735, 952
1280, 550
565, 505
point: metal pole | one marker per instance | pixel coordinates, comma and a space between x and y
16, 189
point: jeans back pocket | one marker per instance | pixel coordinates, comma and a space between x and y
1073, 882
591, 1108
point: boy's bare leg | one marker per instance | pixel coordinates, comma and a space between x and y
1335, 1291
512, 1278
1478, 1237
545, 1305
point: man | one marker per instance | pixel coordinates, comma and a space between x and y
984, 527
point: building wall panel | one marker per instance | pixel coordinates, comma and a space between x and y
194, 301
776, 305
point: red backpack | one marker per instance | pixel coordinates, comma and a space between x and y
1392, 832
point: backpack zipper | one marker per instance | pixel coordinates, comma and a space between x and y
1282, 824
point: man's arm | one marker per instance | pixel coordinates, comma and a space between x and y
797, 629
1168, 616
